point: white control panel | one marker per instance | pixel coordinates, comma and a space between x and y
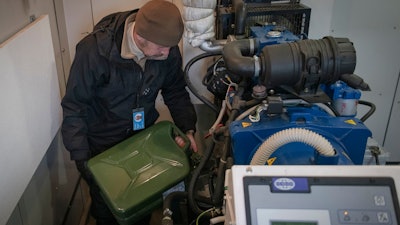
312, 195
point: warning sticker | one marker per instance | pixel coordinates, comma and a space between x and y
246, 124
352, 122
271, 161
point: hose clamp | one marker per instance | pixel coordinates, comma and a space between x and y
257, 66
252, 46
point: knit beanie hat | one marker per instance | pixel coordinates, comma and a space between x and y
160, 22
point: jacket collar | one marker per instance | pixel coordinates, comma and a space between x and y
109, 33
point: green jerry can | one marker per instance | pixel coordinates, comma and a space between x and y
134, 174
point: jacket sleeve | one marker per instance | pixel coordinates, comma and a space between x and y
176, 96
76, 102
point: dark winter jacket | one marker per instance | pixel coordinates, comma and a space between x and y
103, 89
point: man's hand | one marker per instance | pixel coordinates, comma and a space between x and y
181, 142
193, 145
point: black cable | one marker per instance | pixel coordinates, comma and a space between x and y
189, 83
207, 78
370, 112
76, 188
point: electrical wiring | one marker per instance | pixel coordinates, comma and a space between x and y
219, 118
202, 214
246, 113
190, 84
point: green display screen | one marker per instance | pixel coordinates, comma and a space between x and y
293, 223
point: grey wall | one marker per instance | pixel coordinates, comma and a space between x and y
16, 14
374, 28
48, 198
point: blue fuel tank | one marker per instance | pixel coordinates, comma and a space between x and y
348, 137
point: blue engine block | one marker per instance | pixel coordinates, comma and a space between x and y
271, 35
348, 137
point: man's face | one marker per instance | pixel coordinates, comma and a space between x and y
155, 51
150, 49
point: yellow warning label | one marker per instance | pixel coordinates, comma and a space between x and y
352, 122
246, 124
271, 161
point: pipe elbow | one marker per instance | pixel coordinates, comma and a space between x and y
213, 46
239, 57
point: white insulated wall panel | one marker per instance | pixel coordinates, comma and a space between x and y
30, 114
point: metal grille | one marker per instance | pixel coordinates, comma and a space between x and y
293, 16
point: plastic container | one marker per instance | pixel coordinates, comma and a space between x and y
344, 98
133, 174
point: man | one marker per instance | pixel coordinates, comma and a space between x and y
116, 75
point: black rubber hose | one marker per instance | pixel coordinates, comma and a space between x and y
238, 57
217, 198
195, 175
191, 86
370, 112
211, 181
167, 205
240, 17
172, 197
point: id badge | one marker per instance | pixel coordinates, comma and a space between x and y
138, 119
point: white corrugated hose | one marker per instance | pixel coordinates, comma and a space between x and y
277, 140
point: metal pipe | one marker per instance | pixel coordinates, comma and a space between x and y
213, 46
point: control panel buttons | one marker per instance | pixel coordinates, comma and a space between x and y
364, 217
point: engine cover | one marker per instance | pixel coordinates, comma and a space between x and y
348, 136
